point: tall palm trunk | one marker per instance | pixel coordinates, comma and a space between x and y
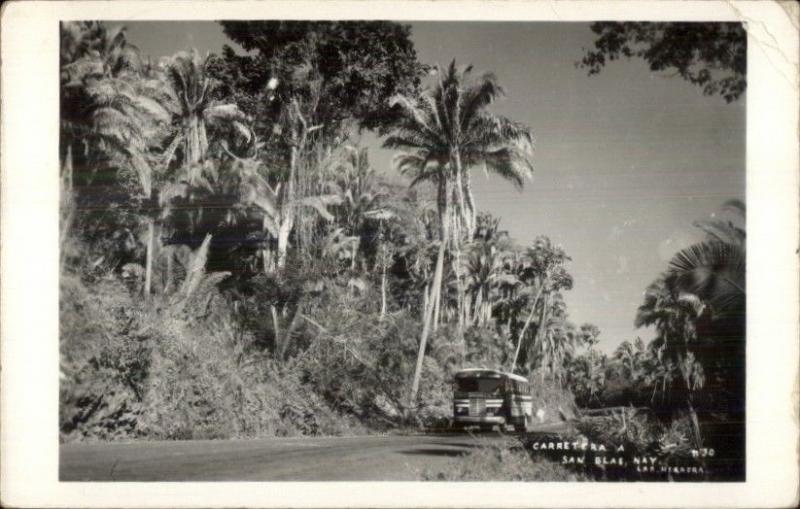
67, 203
193, 152
147, 184
287, 216
426, 298
436, 289
469, 202
468, 316
170, 271
268, 264
525, 327
283, 242
464, 216
428, 322
436, 302
445, 223
148, 271
462, 230
477, 311
461, 292
542, 330
384, 262
383, 292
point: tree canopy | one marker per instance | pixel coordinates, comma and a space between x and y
710, 55
357, 65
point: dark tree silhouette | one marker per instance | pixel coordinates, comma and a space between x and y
710, 55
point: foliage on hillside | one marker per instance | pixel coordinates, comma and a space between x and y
132, 369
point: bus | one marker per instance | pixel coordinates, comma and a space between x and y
488, 398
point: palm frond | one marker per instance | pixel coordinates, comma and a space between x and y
735, 205
197, 267
406, 141
320, 204
714, 271
411, 110
507, 163
224, 112
477, 97
382, 214
172, 190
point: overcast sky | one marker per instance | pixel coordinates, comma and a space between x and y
625, 160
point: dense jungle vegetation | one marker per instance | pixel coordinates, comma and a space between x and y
232, 265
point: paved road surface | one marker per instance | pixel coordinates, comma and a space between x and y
362, 458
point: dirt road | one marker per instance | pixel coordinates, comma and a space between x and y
361, 458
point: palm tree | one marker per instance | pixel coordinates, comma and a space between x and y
711, 276
112, 109
545, 267
704, 282
485, 268
697, 307
354, 183
195, 108
658, 371
714, 270
82, 38
587, 373
362, 208
448, 125
631, 357
429, 165
558, 344
109, 103
445, 131
239, 188
188, 91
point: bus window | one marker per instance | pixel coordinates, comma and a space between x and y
485, 385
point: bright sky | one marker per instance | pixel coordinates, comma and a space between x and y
625, 160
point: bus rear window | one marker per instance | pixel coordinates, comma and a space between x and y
487, 385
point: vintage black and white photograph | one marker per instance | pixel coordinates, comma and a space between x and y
402, 251
399, 254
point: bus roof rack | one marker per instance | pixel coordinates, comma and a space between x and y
489, 372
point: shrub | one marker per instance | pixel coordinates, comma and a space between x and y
363, 364
504, 461
205, 382
628, 427
485, 348
641, 433
167, 370
102, 361
552, 402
